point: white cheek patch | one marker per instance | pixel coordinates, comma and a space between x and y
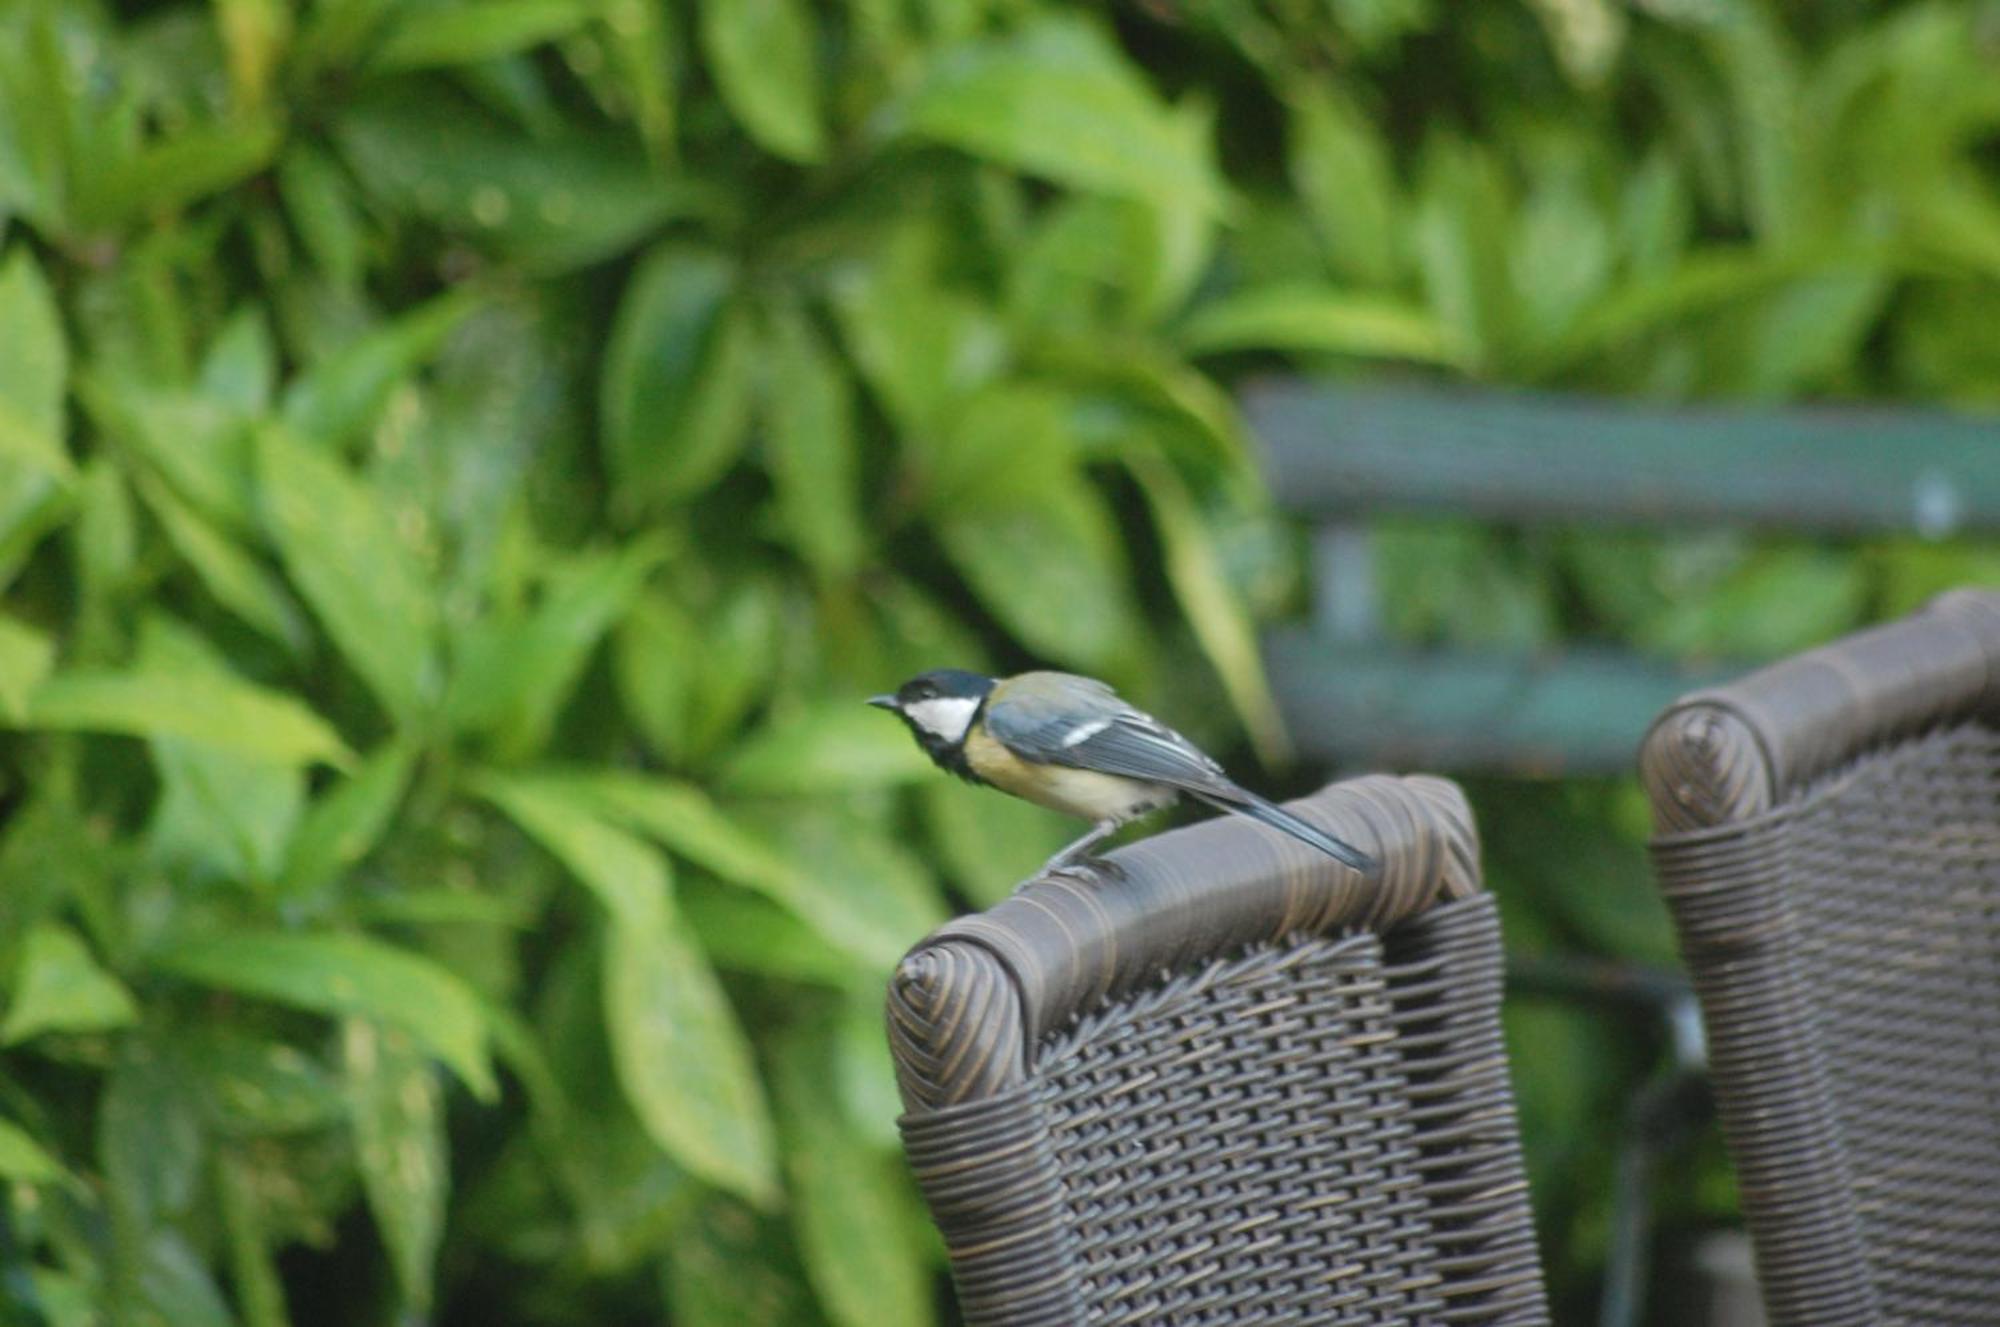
946, 716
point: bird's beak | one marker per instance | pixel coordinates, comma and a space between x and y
883, 702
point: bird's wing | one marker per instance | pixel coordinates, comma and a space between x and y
1055, 719
1088, 727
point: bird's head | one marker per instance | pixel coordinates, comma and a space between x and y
939, 706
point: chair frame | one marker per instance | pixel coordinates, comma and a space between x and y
1724, 768
975, 1008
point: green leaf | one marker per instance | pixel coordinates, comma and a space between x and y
24, 444
442, 907
656, 671
1317, 318
162, 178
629, 879
875, 929
1214, 609
60, 988
1704, 283
318, 198
26, 655
254, 1087
425, 36
34, 374
865, 1072
1006, 442
218, 811
23, 1160
1562, 252
922, 345
254, 36
230, 574
1450, 581
987, 844
745, 932
337, 399
889, 893
561, 200
1463, 224
260, 1290
850, 1204
241, 366
342, 548
1761, 70
812, 450
1058, 99
223, 813
211, 709
397, 1113
1341, 167
347, 821
346, 974
683, 818
1809, 331
761, 54
838, 746
195, 444
1048, 565
645, 62
513, 675
675, 396
177, 1287
149, 1137
1776, 604
726, 1266
683, 1060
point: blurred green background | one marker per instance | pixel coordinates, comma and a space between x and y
462, 462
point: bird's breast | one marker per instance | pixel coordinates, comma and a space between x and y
1086, 793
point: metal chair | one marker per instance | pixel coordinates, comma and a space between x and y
1227, 1080
1828, 838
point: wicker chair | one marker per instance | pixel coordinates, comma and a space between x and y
1227, 1081
1829, 842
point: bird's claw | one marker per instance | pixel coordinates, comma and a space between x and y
1083, 870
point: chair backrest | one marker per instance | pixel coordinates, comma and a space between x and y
1829, 842
1227, 1080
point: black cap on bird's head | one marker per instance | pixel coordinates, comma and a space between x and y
939, 707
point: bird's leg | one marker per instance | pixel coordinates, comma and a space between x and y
1080, 849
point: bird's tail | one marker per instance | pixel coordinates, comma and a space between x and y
1244, 802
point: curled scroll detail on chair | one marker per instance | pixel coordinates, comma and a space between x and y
1454, 832
954, 1026
1730, 754
1703, 765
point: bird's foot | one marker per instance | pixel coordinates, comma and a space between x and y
1085, 869
1079, 851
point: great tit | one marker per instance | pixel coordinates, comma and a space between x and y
1070, 744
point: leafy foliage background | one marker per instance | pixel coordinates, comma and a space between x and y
461, 461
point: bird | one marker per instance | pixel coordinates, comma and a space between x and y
1069, 743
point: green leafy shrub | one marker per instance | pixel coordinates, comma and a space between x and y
460, 463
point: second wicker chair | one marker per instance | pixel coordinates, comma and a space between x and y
1228, 1082
1829, 842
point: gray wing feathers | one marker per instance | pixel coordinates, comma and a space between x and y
1139, 747
1057, 719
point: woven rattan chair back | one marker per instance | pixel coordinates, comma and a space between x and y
1829, 843
1227, 1081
